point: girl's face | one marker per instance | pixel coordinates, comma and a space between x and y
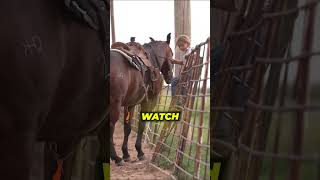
183, 46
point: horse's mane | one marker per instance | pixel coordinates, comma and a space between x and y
152, 42
155, 43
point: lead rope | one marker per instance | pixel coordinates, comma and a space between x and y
58, 173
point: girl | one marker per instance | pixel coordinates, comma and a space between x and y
183, 44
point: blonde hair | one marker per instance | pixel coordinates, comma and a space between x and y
183, 39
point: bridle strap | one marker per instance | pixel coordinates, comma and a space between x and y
155, 55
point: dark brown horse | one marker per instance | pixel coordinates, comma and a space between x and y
127, 89
53, 87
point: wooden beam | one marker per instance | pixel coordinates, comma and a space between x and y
182, 25
113, 34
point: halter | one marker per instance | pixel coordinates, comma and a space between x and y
156, 55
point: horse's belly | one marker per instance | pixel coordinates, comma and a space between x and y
135, 99
136, 91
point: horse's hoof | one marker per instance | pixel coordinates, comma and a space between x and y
120, 163
141, 158
128, 159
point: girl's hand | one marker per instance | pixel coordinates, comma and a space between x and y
175, 61
172, 60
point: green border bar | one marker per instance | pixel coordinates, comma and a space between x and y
215, 171
106, 171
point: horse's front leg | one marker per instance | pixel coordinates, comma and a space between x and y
128, 114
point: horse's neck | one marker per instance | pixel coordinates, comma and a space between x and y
152, 55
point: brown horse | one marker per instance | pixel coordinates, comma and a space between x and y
53, 86
127, 89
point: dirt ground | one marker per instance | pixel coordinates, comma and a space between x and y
140, 170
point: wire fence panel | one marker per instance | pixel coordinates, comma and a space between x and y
183, 146
264, 126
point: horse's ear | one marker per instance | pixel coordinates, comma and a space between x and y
168, 38
151, 39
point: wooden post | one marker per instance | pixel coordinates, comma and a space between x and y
182, 25
113, 34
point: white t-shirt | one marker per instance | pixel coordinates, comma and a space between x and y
187, 52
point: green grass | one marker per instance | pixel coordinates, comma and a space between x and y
173, 141
311, 145
190, 148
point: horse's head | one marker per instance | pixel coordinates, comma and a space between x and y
161, 55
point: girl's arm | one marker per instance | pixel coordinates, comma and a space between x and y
176, 61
